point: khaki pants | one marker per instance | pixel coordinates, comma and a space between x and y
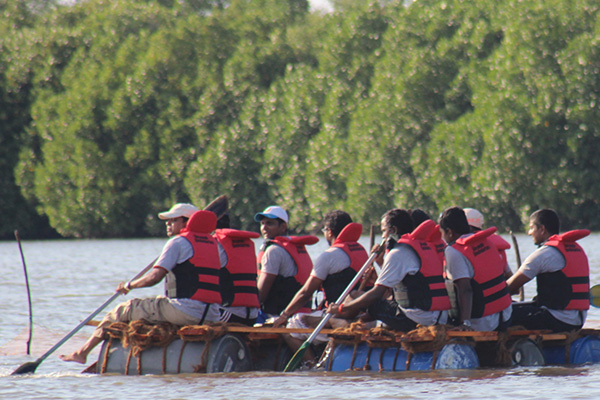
153, 310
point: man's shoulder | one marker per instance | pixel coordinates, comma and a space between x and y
402, 250
333, 252
333, 255
275, 255
549, 253
274, 248
177, 241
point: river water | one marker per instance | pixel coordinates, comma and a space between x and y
69, 279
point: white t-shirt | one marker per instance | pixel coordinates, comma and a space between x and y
331, 261
459, 267
402, 260
176, 251
549, 259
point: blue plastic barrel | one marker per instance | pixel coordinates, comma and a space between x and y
583, 350
452, 356
457, 356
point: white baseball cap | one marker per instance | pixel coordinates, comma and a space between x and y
179, 210
272, 212
474, 217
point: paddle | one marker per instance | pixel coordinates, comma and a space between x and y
297, 357
32, 365
219, 206
28, 291
518, 256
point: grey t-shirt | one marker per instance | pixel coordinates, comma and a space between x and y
402, 260
549, 259
277, 261
459, 267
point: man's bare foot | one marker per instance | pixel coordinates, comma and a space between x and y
74, 357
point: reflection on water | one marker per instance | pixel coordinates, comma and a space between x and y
70, 278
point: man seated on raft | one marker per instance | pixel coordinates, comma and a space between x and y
333, 270
562, 271
283, 262
412, 270
474, 265
237, 277
475, 220
188, 302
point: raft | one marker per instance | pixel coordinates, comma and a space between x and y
141, 349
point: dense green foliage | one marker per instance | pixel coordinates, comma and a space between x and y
110, 111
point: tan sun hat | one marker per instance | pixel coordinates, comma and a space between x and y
179, 210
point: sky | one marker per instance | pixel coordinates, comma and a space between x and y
324, 5
320, 5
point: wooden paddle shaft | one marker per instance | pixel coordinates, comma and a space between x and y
518, 256
28, 293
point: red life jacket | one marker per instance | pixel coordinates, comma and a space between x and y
284, 288
435, 238
295, 246
335, 284
426, 289
238, 277
490, 292
569, 288
502, 245
198, 277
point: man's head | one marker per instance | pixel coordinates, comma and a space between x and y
453, 224
177, 217
273, 222
396, 222
418, 216
474, 219
543, 223
334, 222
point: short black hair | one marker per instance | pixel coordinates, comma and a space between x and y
400, 219
418, 216
548, 218
454, 218
336, 220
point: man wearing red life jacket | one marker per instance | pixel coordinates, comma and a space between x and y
413, 271
190, 262
475, 220
474, 265
336, 267
562, 272
435, 238
283, 262
333, 271
237, 277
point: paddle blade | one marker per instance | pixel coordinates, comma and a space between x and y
595, 296
295, 361
28, 367
219, 206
